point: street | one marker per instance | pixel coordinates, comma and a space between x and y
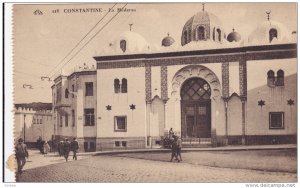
121, 169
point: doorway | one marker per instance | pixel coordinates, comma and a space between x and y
195, 109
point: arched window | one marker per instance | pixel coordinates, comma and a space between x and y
219, 34
66, 93
201, 33
195, 89
213, 34
271, 78
124, 86
190, 35
117, 85
185, 37
123, 45
272, 34
280, 78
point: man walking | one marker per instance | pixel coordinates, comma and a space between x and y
74, 147
67, 147
179, 145
61, 148
174, 148
21, 154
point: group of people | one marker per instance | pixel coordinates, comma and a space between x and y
64, 148
43, 146
176, 145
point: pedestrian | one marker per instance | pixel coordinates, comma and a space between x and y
21, 154
61, 148
67, 148
174, 149
171, 133
74, 148
179, 146
41, 147
38, 143
46, 147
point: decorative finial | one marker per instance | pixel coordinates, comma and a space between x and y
168, 34
232, 29
268, 13
203, 6
130, 25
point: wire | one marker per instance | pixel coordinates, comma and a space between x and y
82, 39
47, 65
92, 37
27, 74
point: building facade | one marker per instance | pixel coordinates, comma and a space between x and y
33, 120
214, 89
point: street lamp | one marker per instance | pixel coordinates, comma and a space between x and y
24, 126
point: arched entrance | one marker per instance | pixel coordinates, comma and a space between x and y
195, 96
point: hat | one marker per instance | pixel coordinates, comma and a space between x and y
20, 140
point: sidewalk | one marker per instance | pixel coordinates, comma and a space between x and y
36, 159
224, 148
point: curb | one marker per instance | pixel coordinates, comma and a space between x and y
230, 148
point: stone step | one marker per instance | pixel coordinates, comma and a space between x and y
196, 145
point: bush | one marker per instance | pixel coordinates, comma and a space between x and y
167, 142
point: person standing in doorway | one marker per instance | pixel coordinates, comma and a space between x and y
74, 148
21, 154
67, 147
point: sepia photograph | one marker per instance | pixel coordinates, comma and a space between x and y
138, 92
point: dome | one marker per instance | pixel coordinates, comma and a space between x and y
131, 42
167, 41
202, 26
233, 36
269, 32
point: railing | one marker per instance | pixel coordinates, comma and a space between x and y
195, 141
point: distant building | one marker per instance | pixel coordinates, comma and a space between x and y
214, 88
35, 119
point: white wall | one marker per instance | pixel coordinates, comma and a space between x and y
120, 102
275, 98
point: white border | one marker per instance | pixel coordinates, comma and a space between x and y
8, 89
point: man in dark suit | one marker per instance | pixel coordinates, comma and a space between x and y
74, 148
67, 148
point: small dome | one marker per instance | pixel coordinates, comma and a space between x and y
269, 32
233, 36
202, 26
131, 42
167, 41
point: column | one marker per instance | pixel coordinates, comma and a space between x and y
225, 94
148, 102
164, 89
243, 94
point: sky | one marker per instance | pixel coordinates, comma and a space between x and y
41, 42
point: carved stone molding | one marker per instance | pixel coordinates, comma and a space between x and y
148, 83
164, 82
199, 71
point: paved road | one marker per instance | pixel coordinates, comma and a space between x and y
121, 169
